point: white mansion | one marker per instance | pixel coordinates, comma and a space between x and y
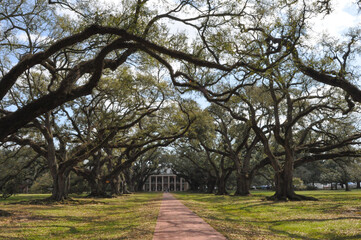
165, 182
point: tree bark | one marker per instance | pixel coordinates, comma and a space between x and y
194, 186
116, 186
97, 187
60, 185
127, 178
243, 184
211, 183
221, 186
139, 186
119, 186
284, 185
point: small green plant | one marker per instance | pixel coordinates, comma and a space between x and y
298, 184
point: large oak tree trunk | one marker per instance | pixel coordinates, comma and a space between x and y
139, 186
97, 188
60, 186
243, 184
96, 183
284, 185
119, 186
243, 174
124, 185
211, 183
59, 175
194, 186
130, 184
116, 186
221, 186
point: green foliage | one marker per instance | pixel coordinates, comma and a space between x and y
20, 167
43, 184
298, 184
252, 57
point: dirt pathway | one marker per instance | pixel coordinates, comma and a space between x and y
176, 221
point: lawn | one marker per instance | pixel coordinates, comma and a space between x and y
127, 217
337, 215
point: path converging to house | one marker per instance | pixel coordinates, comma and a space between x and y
176, 221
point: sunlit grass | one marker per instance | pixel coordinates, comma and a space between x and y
337, 215
128, 217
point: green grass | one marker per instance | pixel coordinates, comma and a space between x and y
128, 217
337, 215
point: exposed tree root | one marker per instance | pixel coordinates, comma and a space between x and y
103, 195
297, 197
291, 197
126, 192
51, 201
4, 213
276, 198
225, 193
242, 194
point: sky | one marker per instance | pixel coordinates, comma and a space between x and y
344, 16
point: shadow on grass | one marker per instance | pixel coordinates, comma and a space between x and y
328, 236
39, 199
10, 238
58, 230
311, 220
119, 218
4, 213
279, 222
276, 232
94, 227
50, 202
265, 203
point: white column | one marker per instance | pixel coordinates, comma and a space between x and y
162, 184
150, 183
180, 184
175, 183
156, 183
168, 183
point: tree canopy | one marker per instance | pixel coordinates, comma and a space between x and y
96, 88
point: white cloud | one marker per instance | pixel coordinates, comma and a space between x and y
343, 17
